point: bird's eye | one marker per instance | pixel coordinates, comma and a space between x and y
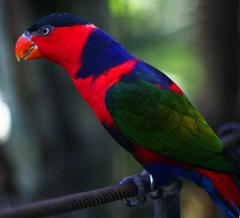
45, 30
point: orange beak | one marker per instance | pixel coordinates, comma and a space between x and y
26, 49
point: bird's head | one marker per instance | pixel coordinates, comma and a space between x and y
59, 37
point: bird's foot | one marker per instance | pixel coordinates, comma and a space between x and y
162, 191
140, 180
145, 184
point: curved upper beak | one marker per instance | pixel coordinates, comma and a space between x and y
26, 49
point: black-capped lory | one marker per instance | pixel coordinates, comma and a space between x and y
140, 107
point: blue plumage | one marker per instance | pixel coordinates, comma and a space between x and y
104, 52
146, 72
137, 104
57, 20
119, 137
164, 173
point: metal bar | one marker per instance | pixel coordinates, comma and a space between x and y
72, 202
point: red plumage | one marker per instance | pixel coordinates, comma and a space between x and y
71, 43
94, 90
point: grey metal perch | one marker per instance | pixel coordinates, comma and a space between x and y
69, 203
72, 202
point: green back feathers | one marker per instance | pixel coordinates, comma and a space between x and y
165, 122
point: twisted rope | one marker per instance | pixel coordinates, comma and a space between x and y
74, 202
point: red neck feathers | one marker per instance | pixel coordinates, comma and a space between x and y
64, 45
93, 90
72, 48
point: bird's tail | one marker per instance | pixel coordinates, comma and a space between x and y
230, 137
226, 191
223, 190
236, 179
196, 203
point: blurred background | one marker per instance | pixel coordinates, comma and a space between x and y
51, 144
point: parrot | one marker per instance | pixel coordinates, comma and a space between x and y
139, 106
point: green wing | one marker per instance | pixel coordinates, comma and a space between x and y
165, 122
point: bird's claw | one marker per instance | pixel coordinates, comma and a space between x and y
162, 191
141, 196
145, 184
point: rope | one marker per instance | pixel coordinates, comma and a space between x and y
74, 202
